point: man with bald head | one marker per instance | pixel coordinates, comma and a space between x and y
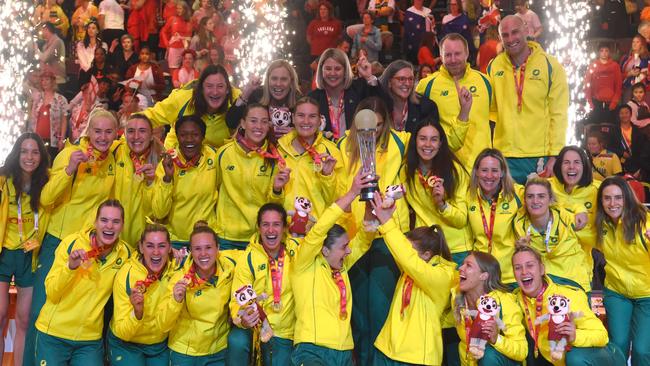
531, 102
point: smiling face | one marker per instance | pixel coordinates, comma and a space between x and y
613, 201
307, 120
188, 61
454, 57
30, 156
571, 168
471, 276
337, 253
204, 253
271, 231
108, 226
513, 34
155, 250
333, 73
279, 83
190, 139
127, 44
538, 200
256, 125
427, 143
138, 135
215, 90
401, 84
101, 133
323, 12
489, 174
529, 273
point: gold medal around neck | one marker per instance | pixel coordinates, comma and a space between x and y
343, 315
318, 167
277, 307
30, 245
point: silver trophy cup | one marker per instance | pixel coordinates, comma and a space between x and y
366, 124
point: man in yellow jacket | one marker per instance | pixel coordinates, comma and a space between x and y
463, 96
531, 102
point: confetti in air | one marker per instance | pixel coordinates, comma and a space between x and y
15, 61
263, 36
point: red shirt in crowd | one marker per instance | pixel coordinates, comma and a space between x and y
603, 82
323, 34
486, 53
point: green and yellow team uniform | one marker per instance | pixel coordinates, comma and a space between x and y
452, 219
134, 341
254, 268
190, 196
178, 104
564, 259
469, 138
606, 164
135, 195
413, 334
627, 290
198, 327
320, 332
71, 322
503, 234
245, 182
590, 346
305, 180
510, 348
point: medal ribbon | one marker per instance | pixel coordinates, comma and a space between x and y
549, 227
177, 160
340, 283
488, 230
311, 150
277, 267
468, 325
272, 154
96, 249
192, 279
335, 119
401, 124
137, 162
539, 302
143, 285
90, 153
20, 219
406, 294
519, 84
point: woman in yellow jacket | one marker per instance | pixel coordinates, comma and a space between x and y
412, 332
22, 178
208, 98
623, 233
492, 203
375, 275
480, 275
585, 333
81, 178
250, 172
195, 308
186, 187
436, 186
136, 160
550, 230
315, 161
266, 265
70, 325
140, 286
321, 286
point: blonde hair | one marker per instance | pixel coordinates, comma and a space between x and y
340, 57
294, 92
96, 113
507, 185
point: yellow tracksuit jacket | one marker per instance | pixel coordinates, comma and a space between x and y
503, 236
253, 269
74, 308
198, 326
124, 324
452, 220
511, 341
305, 181
581, 199
416, 337
73, 200
590, 331
178, 104
469, 138
135, 196
539, 129
389, 162
628, 264
190, 196
565, 257
316, 295
245, 183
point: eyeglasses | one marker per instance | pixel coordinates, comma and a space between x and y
404, 79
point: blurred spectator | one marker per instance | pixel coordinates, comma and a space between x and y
383, 12
457, 22
83, 14
417, 21
368, 39
603, 84
142, 23
613, 19
604, 162
645, 13
324, 31
489, 49
50, 11
530, 18
205, 10
99, 68
230, 42
111, 20
634, 65
49, 115
52, 57
424, 71
176, 34
640, 109
121, 57
203, 39
428, 53
86, 48
186, 72
147, 76
81, 106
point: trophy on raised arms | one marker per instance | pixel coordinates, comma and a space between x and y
366, 124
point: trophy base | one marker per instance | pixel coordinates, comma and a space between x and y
367, 194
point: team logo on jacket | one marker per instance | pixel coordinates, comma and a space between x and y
505, 206
444, 93
499, 73
110, 169
588, 204
472, 89
261, 267
230, 167
536, 72
181, 173
472, 208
